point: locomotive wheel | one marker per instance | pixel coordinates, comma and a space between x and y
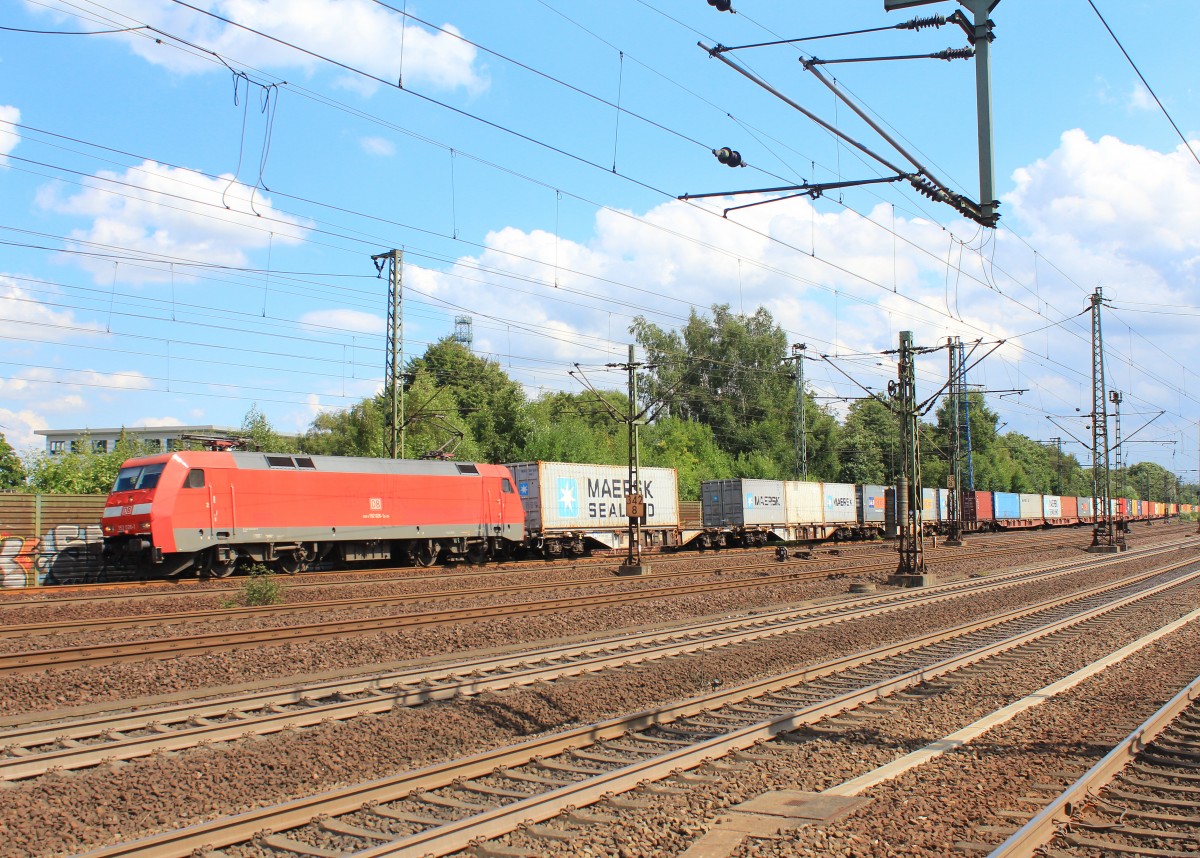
424, 552
476, 554
223, 569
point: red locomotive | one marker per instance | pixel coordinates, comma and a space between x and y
208, 511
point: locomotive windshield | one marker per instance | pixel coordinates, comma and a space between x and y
139, 477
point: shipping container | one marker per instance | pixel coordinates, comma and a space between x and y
943, 496
565, 496
929, 504
1052, 506
743, 503
1070, 507
1031, 506
970, 507
839, 503
1007, 505
872, 504
1085, 508
984, 510
805, 503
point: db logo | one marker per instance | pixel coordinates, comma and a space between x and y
376, 503
127, 510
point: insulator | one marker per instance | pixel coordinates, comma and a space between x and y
927, 188
922, 23
721, 5
955, 54
728, 157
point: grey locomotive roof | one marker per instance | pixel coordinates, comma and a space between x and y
352, 465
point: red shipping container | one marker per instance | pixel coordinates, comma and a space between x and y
1070, 507
984, 510
1123, 507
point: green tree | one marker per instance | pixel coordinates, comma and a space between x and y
490, 403
728, 373
262, 435
574, 427
12, 472
688, 447
869, 452
82, 472
354, 431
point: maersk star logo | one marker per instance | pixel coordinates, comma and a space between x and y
568, 498
749, 500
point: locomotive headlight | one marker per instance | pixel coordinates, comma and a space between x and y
145, 525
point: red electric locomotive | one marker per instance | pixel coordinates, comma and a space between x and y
208, 511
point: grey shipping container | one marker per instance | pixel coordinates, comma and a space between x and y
743, 503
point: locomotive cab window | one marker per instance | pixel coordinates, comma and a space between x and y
506, 486
138, 477
195, 479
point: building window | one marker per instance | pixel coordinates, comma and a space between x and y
174, 444
76, 446
58, 447
100, 446
153, 445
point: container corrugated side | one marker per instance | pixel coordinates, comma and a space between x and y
874, 503
984, 510
567, 496
763, 502
1007, 505
1052, 506
805, 505
713, 494
929, 504
943, 504
838, 499
1031, 505
1070, 506
1085, 507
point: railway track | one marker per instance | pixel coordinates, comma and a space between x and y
35, 748
82, 655
1142, 798
196, 588
445, 807
291, 609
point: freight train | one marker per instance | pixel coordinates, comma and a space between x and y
207, 512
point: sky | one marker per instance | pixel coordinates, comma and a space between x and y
193, 191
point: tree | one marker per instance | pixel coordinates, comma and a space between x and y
263, 438
728, 373
574, 427
12, 472
85, 471
491, 404
869, 452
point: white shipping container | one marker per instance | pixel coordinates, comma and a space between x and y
743, 503
1052, 506
1031, 506
565, 496
805, 502
929, 508
944, 504
839, 503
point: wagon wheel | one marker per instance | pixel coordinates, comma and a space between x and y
296, 560
424, 552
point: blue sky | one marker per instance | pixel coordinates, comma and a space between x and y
190, 208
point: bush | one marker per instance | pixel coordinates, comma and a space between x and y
261, 588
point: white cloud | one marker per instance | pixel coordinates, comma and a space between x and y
28, 315
18, 428
1141, 99
10, 136
358, 33
343, 320
155, 422
172, 213
378, 146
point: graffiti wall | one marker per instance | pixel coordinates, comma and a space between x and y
50, 539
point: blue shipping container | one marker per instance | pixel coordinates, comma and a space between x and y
1008, 505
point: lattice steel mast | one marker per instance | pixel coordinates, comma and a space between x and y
1103, 537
